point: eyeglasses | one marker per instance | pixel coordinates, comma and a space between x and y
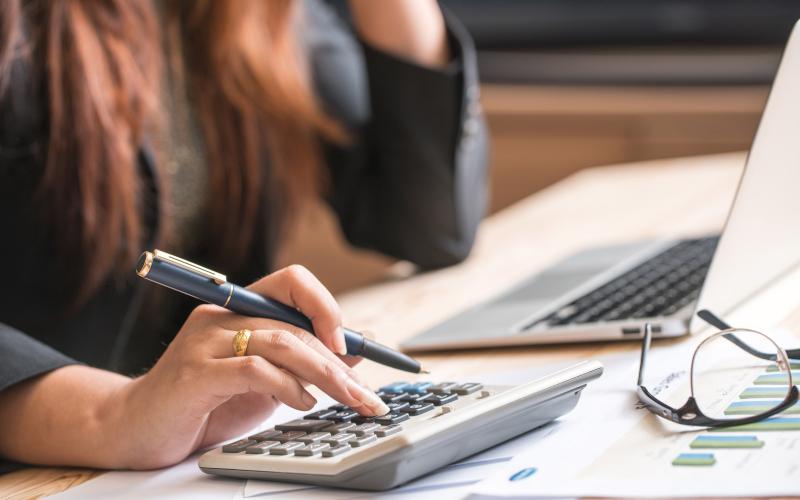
729, 361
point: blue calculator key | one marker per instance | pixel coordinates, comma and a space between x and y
419, 387
395, 387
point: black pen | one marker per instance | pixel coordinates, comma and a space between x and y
212, 287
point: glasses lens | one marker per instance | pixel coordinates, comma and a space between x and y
732, 380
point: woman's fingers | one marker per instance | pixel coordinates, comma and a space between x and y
297, 287
243, 374
285, 350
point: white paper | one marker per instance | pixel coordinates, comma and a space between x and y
609, 448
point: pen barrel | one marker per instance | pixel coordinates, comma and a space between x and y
184, 281
248, 303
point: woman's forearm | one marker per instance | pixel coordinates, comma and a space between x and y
67, 416
412, 29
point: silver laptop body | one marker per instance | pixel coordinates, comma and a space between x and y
608, 293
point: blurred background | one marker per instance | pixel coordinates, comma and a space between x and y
571, 84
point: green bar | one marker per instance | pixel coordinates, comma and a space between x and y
770, 424
774, 379
753, 407
695, 459
763, 392
794, 365
709, 442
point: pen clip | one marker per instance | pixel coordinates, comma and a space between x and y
214, 276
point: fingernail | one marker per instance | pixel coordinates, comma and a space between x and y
340, 341
309, 400
369, 398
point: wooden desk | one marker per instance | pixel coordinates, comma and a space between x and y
612, 204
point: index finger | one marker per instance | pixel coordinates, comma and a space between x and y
296, 286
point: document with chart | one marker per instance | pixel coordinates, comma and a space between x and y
612, 447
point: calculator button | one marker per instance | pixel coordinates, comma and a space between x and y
340, 427
262, 447
468, 388
443, 399
340, 438
238, 446
363, 429
443, 387
336, 450
265, 435
391, 418
289, 436
388, 430
396, 407
392, 397
310, 450
285, 448
343, 416
361, 419
395, 387
419, 387
314, 437
417, 398
303, 425
320, 415
419, 408
362, 440
339, 407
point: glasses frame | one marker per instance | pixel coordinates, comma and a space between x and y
690, 413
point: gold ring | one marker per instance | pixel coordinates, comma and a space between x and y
240, 341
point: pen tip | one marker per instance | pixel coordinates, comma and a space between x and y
424, 371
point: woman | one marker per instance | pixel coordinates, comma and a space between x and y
196, 127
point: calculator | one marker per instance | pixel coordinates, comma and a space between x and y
429, 425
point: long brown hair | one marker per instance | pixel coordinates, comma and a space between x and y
102, 63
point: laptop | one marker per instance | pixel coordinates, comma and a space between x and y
608, 293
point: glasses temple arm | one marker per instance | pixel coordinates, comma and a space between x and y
714, 321
648, 332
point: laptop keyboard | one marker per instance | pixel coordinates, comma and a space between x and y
660, 286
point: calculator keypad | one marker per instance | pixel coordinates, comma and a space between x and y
338, 429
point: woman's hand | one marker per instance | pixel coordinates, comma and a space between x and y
198, 393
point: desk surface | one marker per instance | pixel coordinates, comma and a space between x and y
596, 206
